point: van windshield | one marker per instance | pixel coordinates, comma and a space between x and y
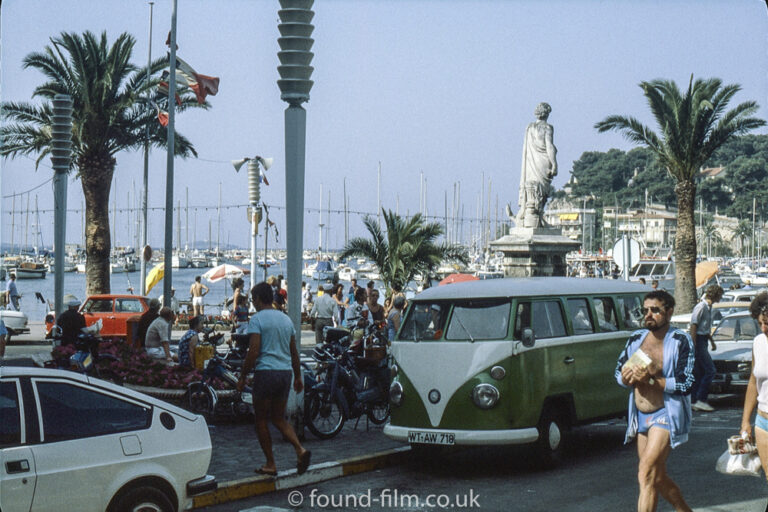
424, 321
479, 320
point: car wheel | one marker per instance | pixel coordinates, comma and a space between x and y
553, 433
143, 499
325, 416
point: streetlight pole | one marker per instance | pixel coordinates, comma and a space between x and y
295, 84
61, 155
254, 197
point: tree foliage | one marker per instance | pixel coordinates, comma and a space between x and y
405, 249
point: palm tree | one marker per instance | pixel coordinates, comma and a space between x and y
406, 249
693, 125
741, 234
112, 112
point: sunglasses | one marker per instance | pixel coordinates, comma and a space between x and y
653, 309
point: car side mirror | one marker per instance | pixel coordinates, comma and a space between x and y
529, 339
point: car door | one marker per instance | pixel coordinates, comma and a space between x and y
125, 308
100, 308
17, 465
88, 435
549, 327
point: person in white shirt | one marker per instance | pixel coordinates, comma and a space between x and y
157, 341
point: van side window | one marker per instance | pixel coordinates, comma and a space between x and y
580, 319
548, 320
606, 314
522, 319
629, 308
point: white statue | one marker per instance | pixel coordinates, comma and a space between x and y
538, 168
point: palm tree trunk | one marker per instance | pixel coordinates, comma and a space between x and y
97, 181
685, 248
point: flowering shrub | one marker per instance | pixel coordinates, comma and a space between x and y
134, 366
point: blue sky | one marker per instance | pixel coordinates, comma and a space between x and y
444, 88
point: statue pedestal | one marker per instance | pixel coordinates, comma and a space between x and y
532, 252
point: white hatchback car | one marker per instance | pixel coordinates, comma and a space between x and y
72, 442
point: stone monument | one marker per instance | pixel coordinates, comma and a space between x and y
532, 248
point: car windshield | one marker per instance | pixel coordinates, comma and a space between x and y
424, 321
736, 328
479, 320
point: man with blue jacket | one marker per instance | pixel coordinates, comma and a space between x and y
660, 376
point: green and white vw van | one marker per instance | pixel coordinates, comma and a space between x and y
510, 361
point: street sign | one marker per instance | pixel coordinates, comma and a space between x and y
634, 253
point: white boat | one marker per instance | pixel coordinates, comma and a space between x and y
309, 269
662, 271
199, 261
755, 278
80, 267
347, 273
179, 261
31, 270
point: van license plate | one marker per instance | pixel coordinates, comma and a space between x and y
417, 437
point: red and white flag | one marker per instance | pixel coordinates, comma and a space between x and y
201, 85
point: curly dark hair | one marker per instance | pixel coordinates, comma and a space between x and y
759, 305
662, 296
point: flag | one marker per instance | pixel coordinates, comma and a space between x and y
162, 87
162, 115
201, 85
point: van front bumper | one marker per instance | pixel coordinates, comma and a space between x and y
470, 437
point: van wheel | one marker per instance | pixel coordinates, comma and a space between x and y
553, 433
143, 499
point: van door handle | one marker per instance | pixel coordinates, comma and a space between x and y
569, 360
17, 466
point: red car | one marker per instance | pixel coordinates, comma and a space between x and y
114, 312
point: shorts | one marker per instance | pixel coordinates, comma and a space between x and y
197, 301
272, 384
761, 423
646, 420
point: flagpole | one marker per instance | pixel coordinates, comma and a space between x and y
145, 190
168, 256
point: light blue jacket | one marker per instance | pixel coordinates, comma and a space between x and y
678, 372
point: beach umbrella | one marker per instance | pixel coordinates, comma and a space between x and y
705, 271
225, 271
154, 276
458, 278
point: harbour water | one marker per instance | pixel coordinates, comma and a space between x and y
74, 283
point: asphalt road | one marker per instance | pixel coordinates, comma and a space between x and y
598, 475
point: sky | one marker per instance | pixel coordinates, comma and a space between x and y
439, 89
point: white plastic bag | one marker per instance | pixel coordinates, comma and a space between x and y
739, 464
741, 457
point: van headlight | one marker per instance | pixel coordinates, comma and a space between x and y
396, 393
485, 396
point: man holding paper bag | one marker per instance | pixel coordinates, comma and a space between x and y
657, 366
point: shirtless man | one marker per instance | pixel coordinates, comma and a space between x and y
198, 290
660, 403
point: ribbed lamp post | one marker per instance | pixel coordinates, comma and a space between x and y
294, 83
61, 157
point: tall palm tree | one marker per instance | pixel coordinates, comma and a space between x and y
406, 249
742, 233
692, 126
112, 111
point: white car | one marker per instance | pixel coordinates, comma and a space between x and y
72, 442
733, 356
15, 322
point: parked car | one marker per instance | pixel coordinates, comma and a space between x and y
16, 322
114, 312
719, 311
742, 295
733, 357
72, 442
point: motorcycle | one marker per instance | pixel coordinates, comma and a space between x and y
351, 381
202, 398
87, 359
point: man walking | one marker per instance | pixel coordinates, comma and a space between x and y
324, 310
198, 290
12, 293
274, 356
701, 334
659, 377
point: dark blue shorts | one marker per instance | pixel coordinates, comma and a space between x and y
272, 384
646, 420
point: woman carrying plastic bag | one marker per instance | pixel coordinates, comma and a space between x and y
757, 389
